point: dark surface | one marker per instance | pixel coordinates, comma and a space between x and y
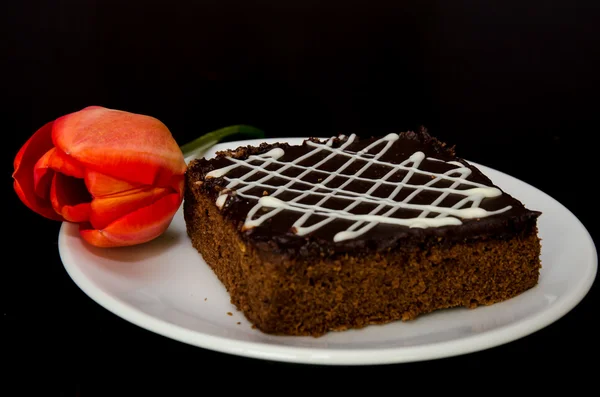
275, 234
513, 84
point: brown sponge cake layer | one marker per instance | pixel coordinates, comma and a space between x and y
299, 296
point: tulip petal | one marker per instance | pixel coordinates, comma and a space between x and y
35, 147
138, 227
106, 210
70, 198
43, 174
100, 185
55, 160
131, 147
178, 184
66, 164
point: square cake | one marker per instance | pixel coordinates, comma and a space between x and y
342, 233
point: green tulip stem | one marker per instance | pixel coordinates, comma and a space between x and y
200, 145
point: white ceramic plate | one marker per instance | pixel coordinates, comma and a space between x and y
164, 286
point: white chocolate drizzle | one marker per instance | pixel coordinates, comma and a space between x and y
362, 223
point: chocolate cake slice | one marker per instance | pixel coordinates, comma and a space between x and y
346, 232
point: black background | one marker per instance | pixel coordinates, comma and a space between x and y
513, 84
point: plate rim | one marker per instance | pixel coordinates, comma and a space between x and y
323, 356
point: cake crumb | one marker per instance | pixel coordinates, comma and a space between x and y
265, 193
229, 313
253, 326
238, 323
205, 298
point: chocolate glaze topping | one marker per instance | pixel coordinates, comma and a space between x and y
354, 186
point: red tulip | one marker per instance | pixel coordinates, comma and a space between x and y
119, 175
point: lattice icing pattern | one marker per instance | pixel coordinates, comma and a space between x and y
429, 215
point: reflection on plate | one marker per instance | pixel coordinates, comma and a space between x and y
164, 286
